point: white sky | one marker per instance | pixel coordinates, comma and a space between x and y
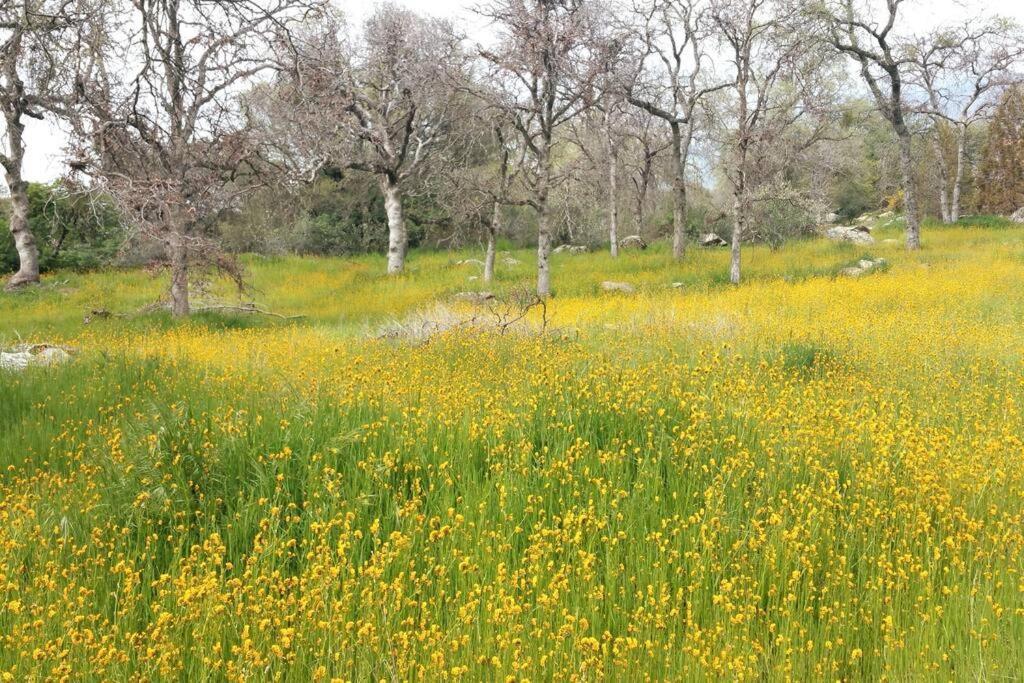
45, 141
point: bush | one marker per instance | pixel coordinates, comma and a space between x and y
72, 230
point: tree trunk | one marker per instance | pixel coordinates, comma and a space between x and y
24, 241
678, 194
738, 227
909, 195
178, 253
940, 159
398, 238
613, 204
958, 177
638, 217
492, 243
543, 250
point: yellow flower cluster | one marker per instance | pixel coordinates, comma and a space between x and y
785, 481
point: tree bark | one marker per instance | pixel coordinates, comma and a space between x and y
909, 195
958, 178
398, 237
738, 227
492, 242
178, 253
24, 241
678, 193
613, 194
543, 250
940, 159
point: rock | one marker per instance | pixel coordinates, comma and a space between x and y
39, 354
712, 240
863, 267
1018, 215
473, 278
471, 262
632, 242
571, 249
622, 287
846, 233
831, 217
678, 285
511, 261
885, 214
474, 297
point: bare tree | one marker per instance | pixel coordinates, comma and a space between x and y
480, 175
883, 66
644, 147
376, 102
963, 71
163, 131
601, 136
673, 79
545, 73
37, 73
774, 62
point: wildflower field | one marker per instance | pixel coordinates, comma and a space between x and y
806, 477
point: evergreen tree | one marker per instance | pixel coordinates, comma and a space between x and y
1000, 187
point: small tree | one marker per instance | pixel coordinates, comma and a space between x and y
163, 132
778, 71
673, 81
375, 102
645, 145
1000, 184
36, 79
545, 75
883, 66
963, 71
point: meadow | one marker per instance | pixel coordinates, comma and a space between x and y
806, 477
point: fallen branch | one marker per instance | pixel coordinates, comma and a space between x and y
247, 308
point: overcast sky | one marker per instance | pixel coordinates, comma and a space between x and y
45, 142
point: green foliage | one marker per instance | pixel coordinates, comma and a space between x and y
986, 222
72, 230
339, 214
1000, 184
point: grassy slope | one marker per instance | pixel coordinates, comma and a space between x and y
803, 477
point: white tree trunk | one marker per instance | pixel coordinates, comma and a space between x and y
613, 204
738, 227
492, 242
940, 160
398, 238
678, 194
543, 251
24, 241
909, 195
958, 178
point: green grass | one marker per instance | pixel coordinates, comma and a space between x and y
801, 478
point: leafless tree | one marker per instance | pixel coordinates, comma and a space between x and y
375, 102
645, 145
162, 130
774, 63
37, 74
479, 176
884, 64
545, 72
963, 71
673, 79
